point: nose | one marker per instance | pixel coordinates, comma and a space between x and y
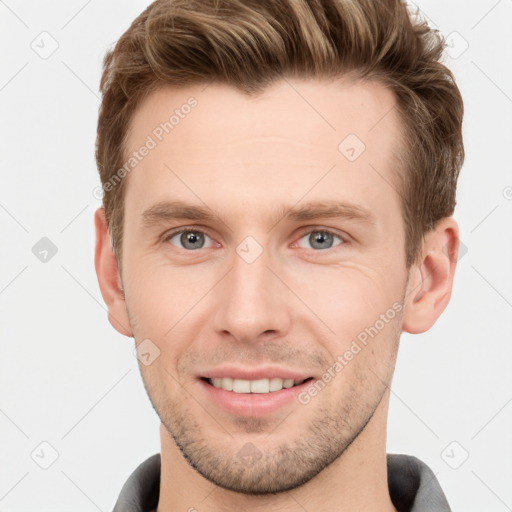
252, 303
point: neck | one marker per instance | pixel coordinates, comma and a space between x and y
356, 481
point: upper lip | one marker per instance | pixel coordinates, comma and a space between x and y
263, 372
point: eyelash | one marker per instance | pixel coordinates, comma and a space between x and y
344, 239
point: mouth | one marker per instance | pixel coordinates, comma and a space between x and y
256, 386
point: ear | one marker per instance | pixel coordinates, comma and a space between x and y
430, 281
109, 277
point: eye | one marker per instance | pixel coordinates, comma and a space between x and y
193, 239
320, 239
190, 239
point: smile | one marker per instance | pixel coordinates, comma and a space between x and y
254, 386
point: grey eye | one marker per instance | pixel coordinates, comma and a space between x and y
190, 240
320, 239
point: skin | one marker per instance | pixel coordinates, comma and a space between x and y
297, 305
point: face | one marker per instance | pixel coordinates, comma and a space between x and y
263, 240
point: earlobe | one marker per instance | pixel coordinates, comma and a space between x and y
431, 278
108, 276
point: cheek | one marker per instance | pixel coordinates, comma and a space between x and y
161, 295
363, 361
348, 298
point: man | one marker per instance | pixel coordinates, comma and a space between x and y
279, 181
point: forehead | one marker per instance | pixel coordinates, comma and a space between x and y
213, 140
224, 114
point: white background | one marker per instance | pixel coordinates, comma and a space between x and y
70, 380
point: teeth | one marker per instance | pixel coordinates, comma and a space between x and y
241, 386
276, 384
260, 386
253, 386
227, 383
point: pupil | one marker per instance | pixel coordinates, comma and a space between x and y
320, 238
191, 240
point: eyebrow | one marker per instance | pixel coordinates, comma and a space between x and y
165, 211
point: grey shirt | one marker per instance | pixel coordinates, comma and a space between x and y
412, 486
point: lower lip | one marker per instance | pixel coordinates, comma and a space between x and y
253, 404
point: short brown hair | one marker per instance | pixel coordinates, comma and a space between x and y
249, 44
